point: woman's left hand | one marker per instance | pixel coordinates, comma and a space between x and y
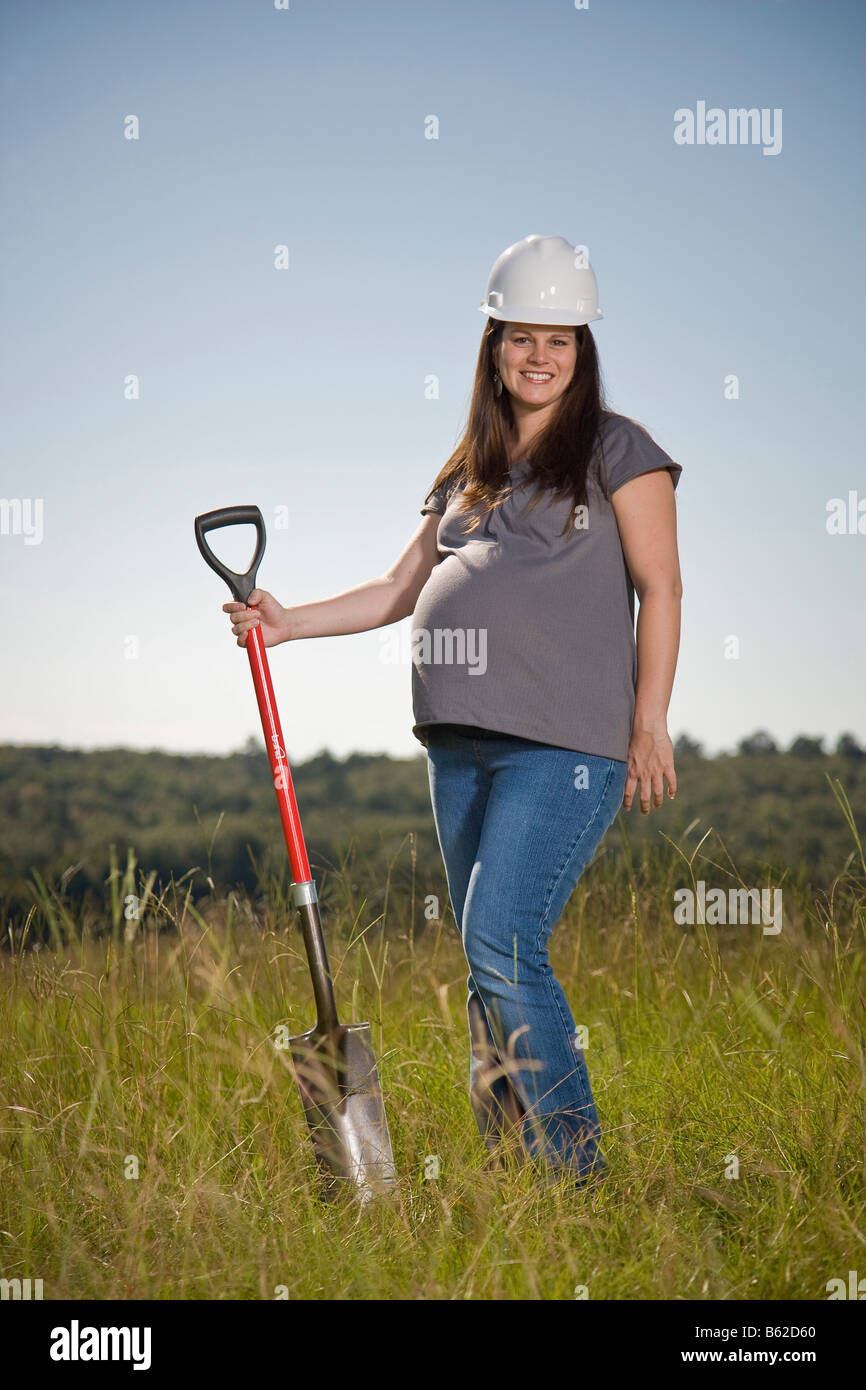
650, 761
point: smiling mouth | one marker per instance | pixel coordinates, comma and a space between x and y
538, 376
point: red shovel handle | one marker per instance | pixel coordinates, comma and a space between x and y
242, 586
277, 754
303, 889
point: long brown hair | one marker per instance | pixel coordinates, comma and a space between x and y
560, 457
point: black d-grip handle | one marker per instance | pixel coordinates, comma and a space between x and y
241, 585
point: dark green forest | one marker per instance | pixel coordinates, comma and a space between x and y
214, 819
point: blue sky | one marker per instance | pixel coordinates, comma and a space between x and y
305, 388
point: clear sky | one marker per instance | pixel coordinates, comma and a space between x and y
304, 388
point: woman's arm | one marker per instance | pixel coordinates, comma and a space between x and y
375, 603
645, 513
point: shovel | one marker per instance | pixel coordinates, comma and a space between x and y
334, 1063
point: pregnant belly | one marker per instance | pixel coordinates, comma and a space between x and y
461, 595
455, 612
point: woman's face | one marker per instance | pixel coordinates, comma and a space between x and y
536, 362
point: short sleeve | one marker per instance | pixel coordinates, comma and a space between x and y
629, 450
437, 503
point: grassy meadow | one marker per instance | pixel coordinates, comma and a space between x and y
149, 1045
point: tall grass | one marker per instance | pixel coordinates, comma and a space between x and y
712, 1050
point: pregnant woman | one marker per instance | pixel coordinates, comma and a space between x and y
540, 713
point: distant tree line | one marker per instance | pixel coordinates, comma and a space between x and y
212, 820
846, 746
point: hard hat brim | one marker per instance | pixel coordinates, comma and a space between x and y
547, 317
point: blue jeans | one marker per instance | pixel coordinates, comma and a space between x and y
517, 823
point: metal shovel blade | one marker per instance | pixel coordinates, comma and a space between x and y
342, 1098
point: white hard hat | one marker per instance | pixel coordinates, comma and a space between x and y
542, 279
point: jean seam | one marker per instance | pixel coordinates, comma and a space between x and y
577, 839
432, 770
567, 860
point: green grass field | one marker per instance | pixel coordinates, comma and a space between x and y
155, 1042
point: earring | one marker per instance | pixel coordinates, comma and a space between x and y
497, 384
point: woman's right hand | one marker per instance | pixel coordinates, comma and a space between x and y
265, 613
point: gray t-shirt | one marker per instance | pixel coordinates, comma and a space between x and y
520, 630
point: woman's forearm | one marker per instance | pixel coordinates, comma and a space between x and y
375, 603
658, 641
